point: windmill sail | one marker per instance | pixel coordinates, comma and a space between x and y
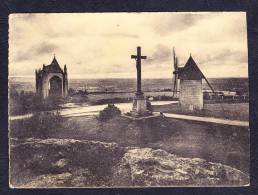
175, 72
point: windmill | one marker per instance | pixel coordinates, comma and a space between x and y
191, 84
175, 72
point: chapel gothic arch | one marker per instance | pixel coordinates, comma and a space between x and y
55, 86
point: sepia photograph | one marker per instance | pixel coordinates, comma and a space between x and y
128, 99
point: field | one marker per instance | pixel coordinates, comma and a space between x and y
213, 142
233, 111
49, 150
92, 152
118, 97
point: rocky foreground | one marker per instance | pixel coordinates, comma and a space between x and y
148, 167
39, 163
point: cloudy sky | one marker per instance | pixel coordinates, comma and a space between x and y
99, 45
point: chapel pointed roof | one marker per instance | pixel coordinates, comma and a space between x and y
190, 71
54, 61
53, 67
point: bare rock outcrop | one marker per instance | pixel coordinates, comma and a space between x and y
149, 167
41, 163
61, 162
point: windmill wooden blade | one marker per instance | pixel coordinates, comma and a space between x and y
176, 64
208, 84
175, 59
175, 85
213, 91
175, 72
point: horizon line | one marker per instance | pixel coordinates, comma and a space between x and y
29, 76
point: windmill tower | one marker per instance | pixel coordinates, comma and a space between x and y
191, 95
175, 73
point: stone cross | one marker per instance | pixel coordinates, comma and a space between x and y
138, 58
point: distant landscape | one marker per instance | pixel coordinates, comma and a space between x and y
128, 85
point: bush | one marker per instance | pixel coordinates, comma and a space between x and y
40, 125
112, 100
80, 92
25, 102
22, 102
109, 112
149, 106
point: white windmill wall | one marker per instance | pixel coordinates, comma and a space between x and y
190, 96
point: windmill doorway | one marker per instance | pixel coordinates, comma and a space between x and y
55, 86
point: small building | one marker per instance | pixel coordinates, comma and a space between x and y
190, 96
51, 80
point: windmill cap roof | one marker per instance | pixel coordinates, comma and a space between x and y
190, 71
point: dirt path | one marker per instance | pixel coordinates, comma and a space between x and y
126, 107
208, 119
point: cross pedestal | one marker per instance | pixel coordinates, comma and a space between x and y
140, 108
140, 104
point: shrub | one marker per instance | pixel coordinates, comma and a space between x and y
25, 102
149, 106
112, 100
109, 112
40, 125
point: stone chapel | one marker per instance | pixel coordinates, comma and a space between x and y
52, 80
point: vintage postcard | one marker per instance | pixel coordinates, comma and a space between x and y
128, 99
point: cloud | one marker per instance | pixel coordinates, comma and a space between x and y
225, 55
38, 49
44, 48
119, 35
25, 17
115, 68
108, 69
96, 44
161, 54
66, 34
21, 56
177, 23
